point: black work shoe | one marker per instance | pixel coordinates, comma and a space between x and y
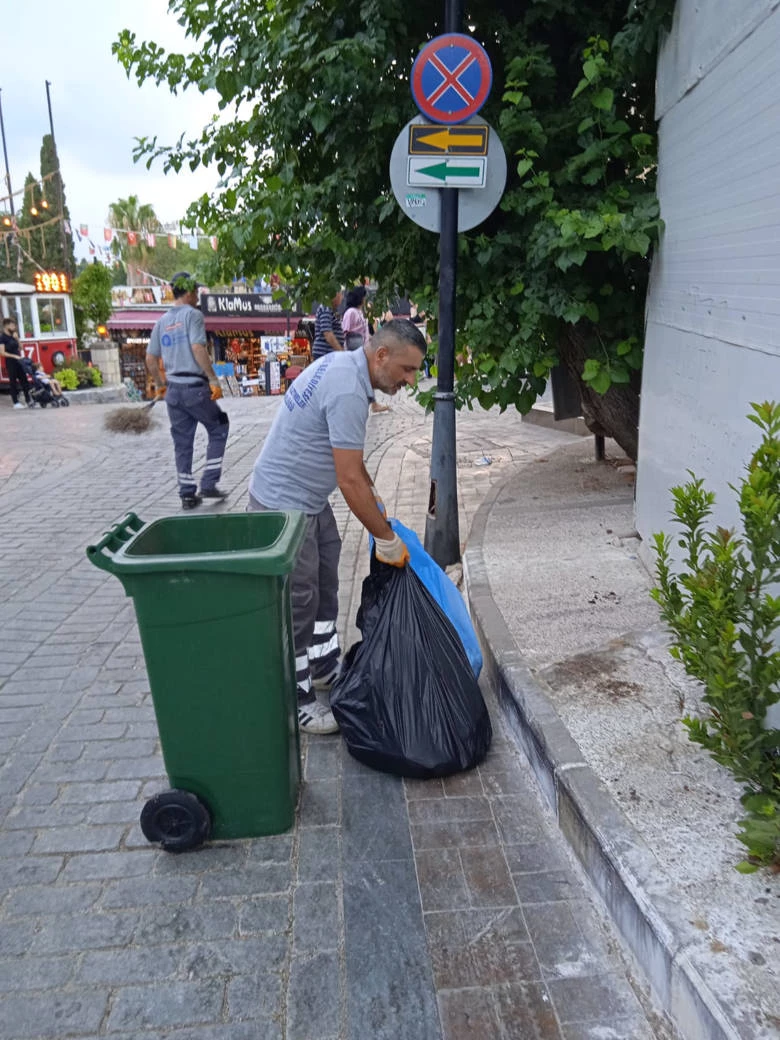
213, 493
190, 501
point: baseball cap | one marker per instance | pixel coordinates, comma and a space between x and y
183, 282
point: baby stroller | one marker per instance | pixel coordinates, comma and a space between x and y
40, 389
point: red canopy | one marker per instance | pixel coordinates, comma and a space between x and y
132, 318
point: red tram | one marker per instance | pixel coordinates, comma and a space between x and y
44, 317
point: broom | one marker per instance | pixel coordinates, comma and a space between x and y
130, 419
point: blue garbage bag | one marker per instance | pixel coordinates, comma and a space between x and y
443, 590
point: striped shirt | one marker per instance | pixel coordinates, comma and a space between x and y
325, 320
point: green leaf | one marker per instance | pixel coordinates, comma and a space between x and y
590, 70
523, 167
603, 99
619, 374
746, 867
585, 124
582, 85
602, 382
641, 141
591, 369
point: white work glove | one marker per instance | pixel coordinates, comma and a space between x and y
392, 550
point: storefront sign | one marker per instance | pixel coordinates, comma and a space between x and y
51, 282
247, 305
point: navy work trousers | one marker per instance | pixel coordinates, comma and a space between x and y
188, 406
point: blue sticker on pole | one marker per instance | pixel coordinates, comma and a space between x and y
451, 78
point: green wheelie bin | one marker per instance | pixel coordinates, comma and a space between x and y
212, 599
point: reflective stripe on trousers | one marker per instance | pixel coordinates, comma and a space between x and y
314, 591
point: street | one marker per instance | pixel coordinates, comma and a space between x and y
393, 909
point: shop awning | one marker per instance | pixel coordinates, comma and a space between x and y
229, 324
134, 319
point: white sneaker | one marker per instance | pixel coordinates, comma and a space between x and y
18, 405
316, 718
324, 682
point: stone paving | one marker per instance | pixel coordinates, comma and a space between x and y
393, 909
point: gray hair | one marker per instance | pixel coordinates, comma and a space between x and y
399, 331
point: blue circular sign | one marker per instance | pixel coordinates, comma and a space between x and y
451, 78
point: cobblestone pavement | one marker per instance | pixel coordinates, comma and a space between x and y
393, 909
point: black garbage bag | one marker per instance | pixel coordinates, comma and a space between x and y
407, 701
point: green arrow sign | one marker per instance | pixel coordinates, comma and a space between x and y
441, 171
452, 172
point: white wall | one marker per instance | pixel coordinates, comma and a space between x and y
713, 316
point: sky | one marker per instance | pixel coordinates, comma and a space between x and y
97, 111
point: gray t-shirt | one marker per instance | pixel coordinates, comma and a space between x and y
326, 407
172, 338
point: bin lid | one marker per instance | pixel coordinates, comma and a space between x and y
264, 543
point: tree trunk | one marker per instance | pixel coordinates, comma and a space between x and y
613, 414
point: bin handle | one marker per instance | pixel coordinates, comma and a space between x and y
112, 541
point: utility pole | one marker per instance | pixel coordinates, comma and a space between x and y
442, 530
60, 191
5, 154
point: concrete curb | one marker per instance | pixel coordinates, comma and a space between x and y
98, 395
618, 862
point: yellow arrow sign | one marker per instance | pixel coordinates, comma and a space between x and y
471, 139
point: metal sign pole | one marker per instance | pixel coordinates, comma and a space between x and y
442, 530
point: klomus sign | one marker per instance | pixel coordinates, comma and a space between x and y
247, 304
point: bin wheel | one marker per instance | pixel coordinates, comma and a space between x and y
177, 819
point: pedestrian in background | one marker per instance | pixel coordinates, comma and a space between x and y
322, 425
328, 334
191, 389
355, 326
420, 319
12, 352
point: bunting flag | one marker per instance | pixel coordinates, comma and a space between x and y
91, 248
133, 237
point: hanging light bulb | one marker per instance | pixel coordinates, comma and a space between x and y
34, 211
44, 204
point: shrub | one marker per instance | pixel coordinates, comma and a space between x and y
67, 378
723, 611
86, 375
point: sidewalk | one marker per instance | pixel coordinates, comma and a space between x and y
394, 909
576, 650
